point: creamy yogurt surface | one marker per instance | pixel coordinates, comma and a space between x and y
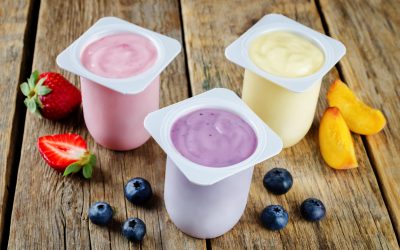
286, 54
213, 137
119, 55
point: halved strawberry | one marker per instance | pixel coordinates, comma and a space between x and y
68, 153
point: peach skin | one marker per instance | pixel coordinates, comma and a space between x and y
335, 140
361, 118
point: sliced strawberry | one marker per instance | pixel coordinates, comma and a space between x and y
67, 152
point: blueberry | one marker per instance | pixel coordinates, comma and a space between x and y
278, 180
138, 191
134, 229
312, 209
274, 217
100, 213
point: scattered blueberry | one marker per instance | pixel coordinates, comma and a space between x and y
138, 190
134, 229
274, 217
278, 181
312, 209
100, 213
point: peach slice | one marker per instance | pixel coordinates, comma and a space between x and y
361, 118
335, 141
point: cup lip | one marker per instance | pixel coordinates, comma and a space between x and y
237, 51
159, 124
167, 49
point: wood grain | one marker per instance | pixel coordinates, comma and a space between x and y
13, 25
50, 212
372, 69
356, 214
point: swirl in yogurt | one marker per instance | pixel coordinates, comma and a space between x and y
120, 55
286, 54
213, 137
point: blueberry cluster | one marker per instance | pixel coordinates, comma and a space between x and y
138, 191
274, 217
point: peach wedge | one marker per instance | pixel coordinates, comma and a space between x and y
335, 141
361, 118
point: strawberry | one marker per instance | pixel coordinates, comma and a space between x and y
68, 153
50, 95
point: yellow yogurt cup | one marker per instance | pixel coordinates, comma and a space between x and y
282, 78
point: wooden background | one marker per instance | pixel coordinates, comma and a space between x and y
39, 209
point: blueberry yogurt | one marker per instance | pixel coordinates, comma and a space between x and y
213, 137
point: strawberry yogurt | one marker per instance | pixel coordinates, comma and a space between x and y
119, 55
119, 64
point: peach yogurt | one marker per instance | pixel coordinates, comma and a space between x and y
284, 63
284, 54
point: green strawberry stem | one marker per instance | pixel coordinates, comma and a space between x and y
33, 89
86, 164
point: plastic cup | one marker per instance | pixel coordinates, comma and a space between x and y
206, 202
205, 211
115, 120
114, 109
286, 104
289, 114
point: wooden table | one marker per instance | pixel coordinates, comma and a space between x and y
42, 210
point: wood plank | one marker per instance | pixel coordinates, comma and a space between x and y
371, 32
51, 211
356, 214
13, 25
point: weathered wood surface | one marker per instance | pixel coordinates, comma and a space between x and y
371, 33
13, 24
50, 212
357, 217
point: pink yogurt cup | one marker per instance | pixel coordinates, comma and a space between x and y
114, 108
115, 120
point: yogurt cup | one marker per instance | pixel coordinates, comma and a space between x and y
286, 104
203, 201
114, 108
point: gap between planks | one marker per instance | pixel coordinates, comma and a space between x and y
20, 114
190, 91
363, 137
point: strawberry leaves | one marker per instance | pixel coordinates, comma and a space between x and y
86, 164
33, 88
25, 88
72, 169
87, 171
